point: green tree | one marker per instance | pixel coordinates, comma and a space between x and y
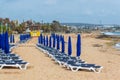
55, 26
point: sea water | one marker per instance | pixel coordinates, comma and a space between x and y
111, 33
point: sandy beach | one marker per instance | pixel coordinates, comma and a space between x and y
41, 67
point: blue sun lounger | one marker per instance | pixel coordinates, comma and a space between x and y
45, 49
12, 60
84, 66
1, 51
11, 63
42, 48
66, 59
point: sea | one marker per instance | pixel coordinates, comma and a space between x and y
81, 24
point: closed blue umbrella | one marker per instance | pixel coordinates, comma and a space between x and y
78, 45
22, 37
10, 38
54, 41
41, 38
3, 42
6, 43
58, 42
13, 39
53, 35
0, 41
69, 46
50, 41
60, 37
63, 44
46, 40
56, 36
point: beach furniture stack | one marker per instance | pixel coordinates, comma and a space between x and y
24, 38
11, 39
59, 56
8, 59
12, 43
12, 60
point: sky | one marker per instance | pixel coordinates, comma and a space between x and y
64, 11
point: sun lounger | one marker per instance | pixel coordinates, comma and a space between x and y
92, 67
59, 55
13, 55
20, 64
2, 54
41, 47
44, 49
1, 51
9, 55
23, 65
66, 60
15, 58
12, 60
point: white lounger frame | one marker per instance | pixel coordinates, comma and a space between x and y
20, 66
76, 68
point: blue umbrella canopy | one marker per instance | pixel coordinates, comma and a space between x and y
56, 36
6, 43
60, 37
54, 41
3, 41
50, 41
78, 45
69, 46
22, 37
53, 35
10, 38
58, 42
0, 41
46, 40
41, 38
13, 39
63, 44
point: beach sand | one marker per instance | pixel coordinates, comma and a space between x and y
41, 67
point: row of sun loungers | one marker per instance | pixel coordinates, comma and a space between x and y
72, 63
11, 60
24, 41
24, 38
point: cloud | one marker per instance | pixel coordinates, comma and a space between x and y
64, 10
